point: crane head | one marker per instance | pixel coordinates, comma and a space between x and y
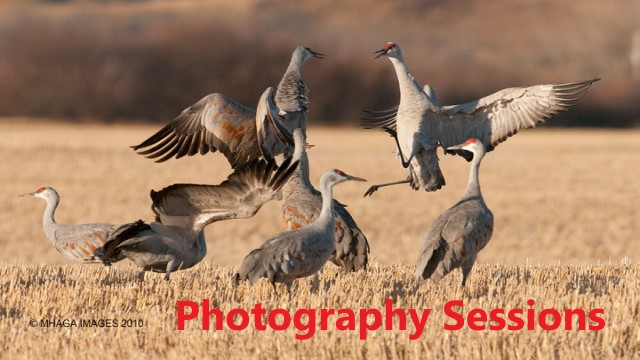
335, 176
390, 49
303, 53
468, 150
43, 193
314, 54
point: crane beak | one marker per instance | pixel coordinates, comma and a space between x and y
27, 194
454, 147
460, 151
316, 54
354, 178
380, 52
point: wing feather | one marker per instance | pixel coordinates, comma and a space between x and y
240, 196
273, 136
215, 123
496, 117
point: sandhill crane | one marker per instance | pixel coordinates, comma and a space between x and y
176, 241
420, 124
458, 234
81, 243
217, 122
297, 253
302, 205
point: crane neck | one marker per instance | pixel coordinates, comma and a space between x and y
299, 181
48, 218
326, 217
410, 90
473, 185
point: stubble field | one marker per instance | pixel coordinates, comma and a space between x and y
566, 225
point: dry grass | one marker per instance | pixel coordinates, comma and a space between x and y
76, 292
566, 215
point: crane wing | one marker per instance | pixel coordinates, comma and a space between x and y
273, 136
84, 243
352, 247
240, 196
496, 117
215, 123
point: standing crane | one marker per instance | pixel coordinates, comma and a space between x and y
297, 253
81, 243
217, 122
419, 124
458, 234
176, 240
302, 205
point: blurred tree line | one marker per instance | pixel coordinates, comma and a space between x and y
131, 66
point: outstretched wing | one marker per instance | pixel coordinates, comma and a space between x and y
383, 119
215, 123
496, 117
240, 196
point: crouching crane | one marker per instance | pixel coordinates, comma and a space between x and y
176, 240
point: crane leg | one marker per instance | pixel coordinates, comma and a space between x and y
467, 265
394, 135
140, 275
375, 188
289, 289
172, 266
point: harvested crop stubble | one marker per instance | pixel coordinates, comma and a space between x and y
82, 292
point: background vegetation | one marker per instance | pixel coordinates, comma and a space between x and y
147, 60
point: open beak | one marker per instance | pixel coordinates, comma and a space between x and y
316, 54
460, 151
354, 178
381, 52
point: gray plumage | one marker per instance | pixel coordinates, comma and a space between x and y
420, 124
176, 240
292, 95
457, 235
302, 205
297, 253
81, 243
219, 123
